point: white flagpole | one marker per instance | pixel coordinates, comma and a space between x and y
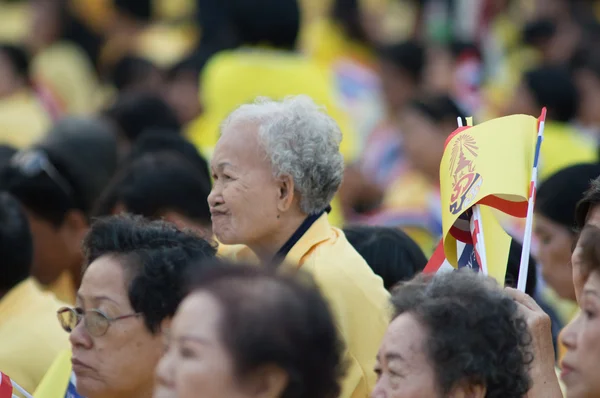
21, 389
524, 266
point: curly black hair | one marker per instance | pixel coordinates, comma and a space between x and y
270, 318
156, 256
475, 332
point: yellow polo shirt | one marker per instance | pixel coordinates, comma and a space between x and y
356, 296
23, 120
30, 335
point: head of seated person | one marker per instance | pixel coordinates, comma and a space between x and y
390, 252
244, 332
133, 281
276, 164
581, 337
161, 185
455, 334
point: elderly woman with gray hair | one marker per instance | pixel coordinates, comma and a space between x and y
276, 168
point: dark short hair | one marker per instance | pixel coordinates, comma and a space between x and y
40, 193
156, 183
273, 22
156, 257
408, 56
390, 252
514, 265
16, 243
439, 108
155, 141
280, 320
589, 241
18, 58
590, 199
136, 113
131, 70
560, 98
138, 9
474, 331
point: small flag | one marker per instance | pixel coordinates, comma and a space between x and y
6, 387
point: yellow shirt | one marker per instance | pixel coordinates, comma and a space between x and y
23, 120
30, 335
356, 296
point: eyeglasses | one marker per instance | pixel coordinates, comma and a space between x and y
32, 163
95, 321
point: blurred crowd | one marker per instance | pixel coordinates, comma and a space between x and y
153, 108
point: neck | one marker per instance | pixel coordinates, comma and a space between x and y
266, 248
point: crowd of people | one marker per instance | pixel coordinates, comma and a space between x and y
233, 198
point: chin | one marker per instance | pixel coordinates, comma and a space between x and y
164, 392
90, 388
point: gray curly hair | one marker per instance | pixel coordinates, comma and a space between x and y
301, 141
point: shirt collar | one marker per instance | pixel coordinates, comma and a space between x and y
318, 231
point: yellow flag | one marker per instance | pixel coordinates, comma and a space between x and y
489, 164
497, 245
56, 381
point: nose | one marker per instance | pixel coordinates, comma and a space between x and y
164, 370
80, 337
568, 336
215, 197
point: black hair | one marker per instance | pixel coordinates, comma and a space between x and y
193, 63
589, 242
409, 56
6, 153
18, 58
347, 14
438, 108
591, 198
156, 183
136, 113
156, 257
140, 10
559, 194
272, 22
390, 252
41, 193
538, 32
560, 98
514, 265
130, 71
16, 243
279, 320
474, 331
155, 141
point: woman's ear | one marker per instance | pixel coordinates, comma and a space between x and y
269, 381
286, 193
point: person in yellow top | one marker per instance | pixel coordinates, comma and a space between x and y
276, 168
553, 87
56, 181
30, 336
23, 119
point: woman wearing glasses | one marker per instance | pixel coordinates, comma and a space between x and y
131, 287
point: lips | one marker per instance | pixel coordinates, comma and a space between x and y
566, 370
79, 366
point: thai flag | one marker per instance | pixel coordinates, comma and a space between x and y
7, 386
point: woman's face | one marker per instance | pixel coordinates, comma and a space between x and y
244, 196
582, 340
403, 369
396, 85
423, 142
555, 244
121, 362
196, 364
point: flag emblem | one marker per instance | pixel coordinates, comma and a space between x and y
466, 182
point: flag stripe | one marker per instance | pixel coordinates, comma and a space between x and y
6, 388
